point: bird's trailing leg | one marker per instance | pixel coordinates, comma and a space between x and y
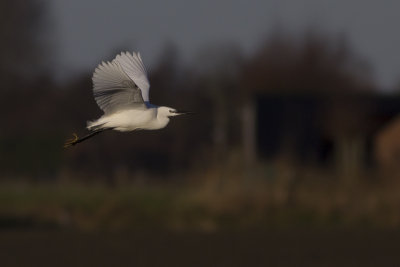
76, 139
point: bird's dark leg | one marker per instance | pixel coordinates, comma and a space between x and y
76, 139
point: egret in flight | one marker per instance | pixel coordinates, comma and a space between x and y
121, 90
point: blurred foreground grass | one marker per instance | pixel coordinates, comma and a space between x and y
215, 200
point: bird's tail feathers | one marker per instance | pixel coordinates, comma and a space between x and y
94, 125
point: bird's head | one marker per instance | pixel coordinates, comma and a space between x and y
171, 112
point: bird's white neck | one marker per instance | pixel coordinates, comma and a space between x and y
162, 120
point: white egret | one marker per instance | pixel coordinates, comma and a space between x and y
121, 90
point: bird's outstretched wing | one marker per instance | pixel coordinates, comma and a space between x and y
133, 66
114, 90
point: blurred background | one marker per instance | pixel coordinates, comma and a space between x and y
292, 158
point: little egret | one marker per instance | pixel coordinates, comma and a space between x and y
121, 90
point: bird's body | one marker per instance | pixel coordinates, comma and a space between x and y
121, 90
131, 119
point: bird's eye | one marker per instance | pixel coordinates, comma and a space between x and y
171, 111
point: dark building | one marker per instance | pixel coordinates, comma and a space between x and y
321, 128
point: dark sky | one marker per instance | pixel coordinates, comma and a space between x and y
87, 31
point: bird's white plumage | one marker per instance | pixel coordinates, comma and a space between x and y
135, 69
114, 90
121, 89
129, 120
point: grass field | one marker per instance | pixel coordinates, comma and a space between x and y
271, 222
206, 207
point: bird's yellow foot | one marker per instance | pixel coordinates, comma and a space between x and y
71, 142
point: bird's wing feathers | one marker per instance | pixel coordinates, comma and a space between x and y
133, 66
114, 90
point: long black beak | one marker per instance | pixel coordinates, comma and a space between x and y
181, 112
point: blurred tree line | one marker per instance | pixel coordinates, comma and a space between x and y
221, 87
